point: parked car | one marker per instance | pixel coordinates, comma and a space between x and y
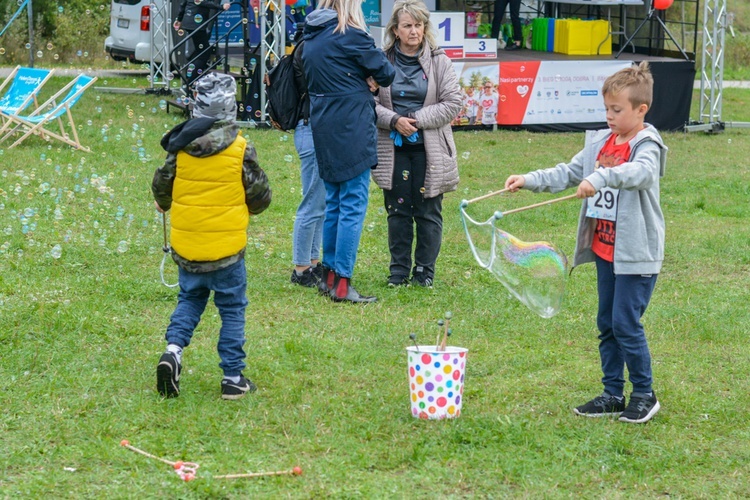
130, 30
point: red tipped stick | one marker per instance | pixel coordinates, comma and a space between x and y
293, 472
127, 445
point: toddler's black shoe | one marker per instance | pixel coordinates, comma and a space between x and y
605, 405
232, 390
307, 278
168, 375
398, 280
641, 408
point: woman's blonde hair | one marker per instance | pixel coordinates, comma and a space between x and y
349, 11
637, 79
419, 12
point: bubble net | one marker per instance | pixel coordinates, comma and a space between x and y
535, 273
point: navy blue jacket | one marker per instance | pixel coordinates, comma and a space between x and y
342, 109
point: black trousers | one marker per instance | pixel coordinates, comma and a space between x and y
201, 43
407, 206
515, 18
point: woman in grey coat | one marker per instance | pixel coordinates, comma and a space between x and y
416, 153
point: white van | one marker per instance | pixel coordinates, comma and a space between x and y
129, 30
130, 24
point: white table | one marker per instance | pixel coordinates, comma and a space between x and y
601, 3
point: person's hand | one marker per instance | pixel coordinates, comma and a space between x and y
226, 6
372, 84
585, 190
514, 183
158, 208
406, 126
177, 25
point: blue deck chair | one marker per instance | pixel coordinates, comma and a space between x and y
37, 122
23, 86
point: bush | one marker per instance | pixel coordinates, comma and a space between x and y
74, 34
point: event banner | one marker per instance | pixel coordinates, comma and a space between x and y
533, 92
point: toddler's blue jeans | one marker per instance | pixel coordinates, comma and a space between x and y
229, 285
623, 299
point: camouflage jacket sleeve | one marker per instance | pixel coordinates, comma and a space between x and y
163, 181
257, 191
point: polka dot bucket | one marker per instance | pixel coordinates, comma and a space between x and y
436, 381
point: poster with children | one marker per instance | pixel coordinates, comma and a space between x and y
478, 82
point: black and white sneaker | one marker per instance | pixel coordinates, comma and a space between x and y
318, 271
605, 405
641, 408
168, 375
422, 280
307, 278
232, 390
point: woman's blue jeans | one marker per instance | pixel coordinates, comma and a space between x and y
308, 225
623, 299
346, 205
229, 285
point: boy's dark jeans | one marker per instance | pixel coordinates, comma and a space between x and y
229, 285
406, 206
623, 299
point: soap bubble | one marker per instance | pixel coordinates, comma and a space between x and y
123, 246
535, 273
56, 252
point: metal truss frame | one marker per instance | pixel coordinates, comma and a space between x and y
160, 72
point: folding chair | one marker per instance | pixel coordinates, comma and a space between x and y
23, 86
36, 122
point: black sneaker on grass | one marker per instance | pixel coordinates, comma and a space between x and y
318, 271
605, 405
641, 408
421, 280
307, 278
168, 375
398, 280
232, 390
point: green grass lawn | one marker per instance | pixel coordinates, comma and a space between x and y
80, 335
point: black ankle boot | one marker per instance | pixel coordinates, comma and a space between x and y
326, 281
343, 291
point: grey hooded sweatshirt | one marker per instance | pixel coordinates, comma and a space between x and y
639, 242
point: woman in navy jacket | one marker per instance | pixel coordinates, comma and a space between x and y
343, 66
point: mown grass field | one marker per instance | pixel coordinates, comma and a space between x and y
80, 335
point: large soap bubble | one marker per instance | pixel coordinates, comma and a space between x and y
535, 273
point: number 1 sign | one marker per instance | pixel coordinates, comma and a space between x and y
450, 32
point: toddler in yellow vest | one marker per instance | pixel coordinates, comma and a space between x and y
211, 181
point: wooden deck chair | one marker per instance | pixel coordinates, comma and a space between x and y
23, 86
38, 121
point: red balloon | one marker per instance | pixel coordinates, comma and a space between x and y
662, 4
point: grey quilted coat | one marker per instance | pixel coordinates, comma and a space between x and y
441, 105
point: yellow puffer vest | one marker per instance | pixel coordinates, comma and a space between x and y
209, 215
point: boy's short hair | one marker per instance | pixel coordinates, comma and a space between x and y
215, 97
637, 79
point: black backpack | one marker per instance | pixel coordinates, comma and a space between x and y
284, 102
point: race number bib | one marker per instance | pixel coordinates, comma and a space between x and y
603, 205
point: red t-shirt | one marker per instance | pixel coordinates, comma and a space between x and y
610, 155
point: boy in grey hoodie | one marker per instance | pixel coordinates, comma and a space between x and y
621, 229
